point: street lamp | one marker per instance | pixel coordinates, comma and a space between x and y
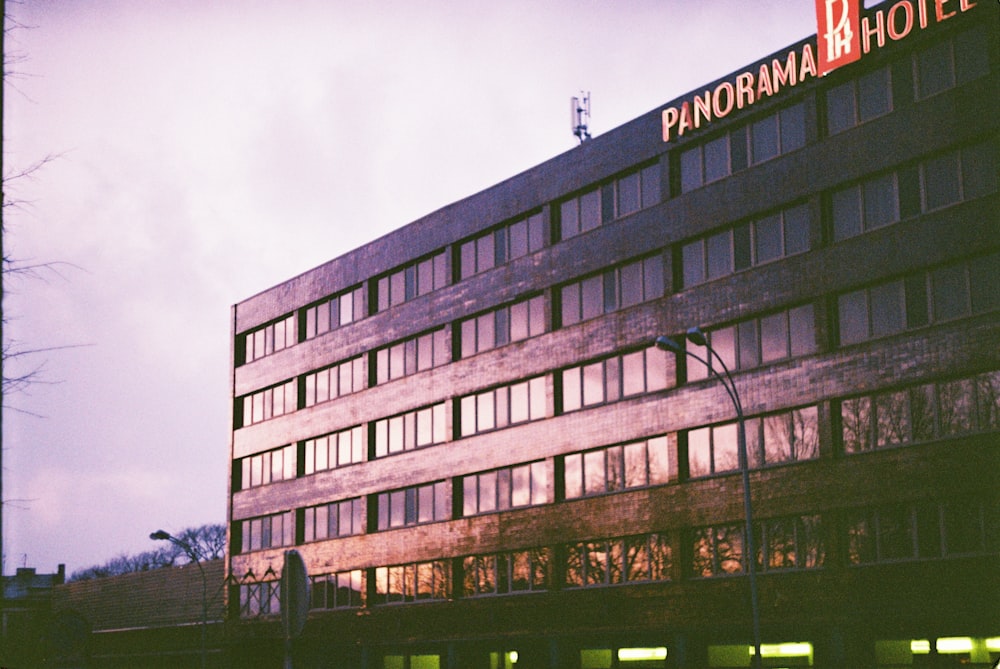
160, 535
697, 337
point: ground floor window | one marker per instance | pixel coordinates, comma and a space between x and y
960, 650
411, 662
788, 654
623, 658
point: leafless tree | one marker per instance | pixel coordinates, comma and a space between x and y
208, 542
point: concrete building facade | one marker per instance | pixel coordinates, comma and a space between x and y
465, 430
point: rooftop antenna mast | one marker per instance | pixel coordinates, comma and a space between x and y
580, 116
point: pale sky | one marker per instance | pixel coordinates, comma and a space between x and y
209, 150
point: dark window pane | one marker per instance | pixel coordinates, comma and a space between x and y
840, 108
764, 138
874, 94
892, 415
793, 127
631, 284
852, 309
984, 281
796, 224
518, 239
887, 309
650, 185
592, 296
590, 210
628, 194
749, 346
607, 192
716, 159
570, 298
956, 409
880, 201
738, 149
895, 534
652, 269
569, 219
767, 238
720, 254
741, 246
979, 171
972, 55
916, 301
802, 330
693, 261
536, 232
941, 181
951, 293
691, 175
963, 528
934, 69
846, 211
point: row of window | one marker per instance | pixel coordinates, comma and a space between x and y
921, 413
909, 415
943, 180
613, 289
614, 199
955, 528
932, 70
943, 294
501, 245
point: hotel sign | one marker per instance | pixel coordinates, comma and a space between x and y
842, 36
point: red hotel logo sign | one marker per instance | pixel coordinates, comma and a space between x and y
838, 33
842, 36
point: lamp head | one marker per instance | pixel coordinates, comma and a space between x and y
159, 535
696, 336
668, 344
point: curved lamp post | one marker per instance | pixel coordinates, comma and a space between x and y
160, 535
697, 337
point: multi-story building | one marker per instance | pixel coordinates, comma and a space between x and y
465, 429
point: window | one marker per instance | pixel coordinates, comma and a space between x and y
414, 429
345, 589
412, 355
337, 519
270, 531
502, 245
943, 294
413, 506
334, 450
502, 326
267, 339
923, 531
611, 290
636, 190
260, 599
504, 406
266, 404
748, 244
756, 341
605, 562
950, 63
411, 281
859, 100
790, 543
265, 468
716, 551
335, 381
413, 582
936, 182
334, 312
773, 135
620, 467
921, 413
789, 436
506, 573
506, 488
616, 378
